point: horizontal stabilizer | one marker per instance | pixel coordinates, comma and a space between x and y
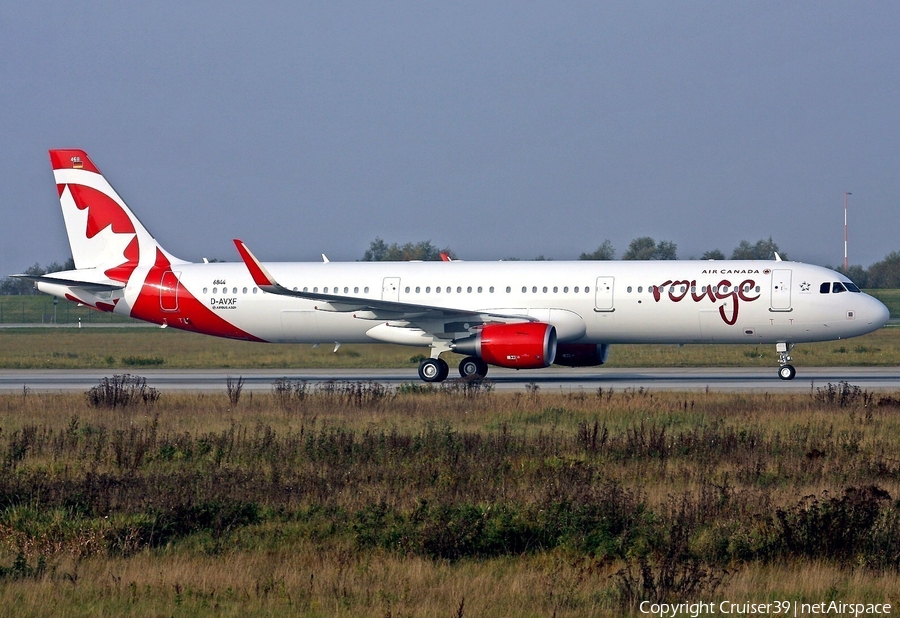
94, 286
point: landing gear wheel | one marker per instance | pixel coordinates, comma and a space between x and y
473, 367
433, 370
787, 372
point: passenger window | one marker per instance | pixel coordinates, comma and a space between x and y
215, 290
346, 290
837, 287
640, 289
244, 291
491, 289
234, 290
254, 290
469, 289
325, 290
406, 289
459, 289
757, 289
825, 288
480, 288
295, 289
204, 290
315, 290
366, 290
576, 289
545, 289
555, 289
508, 289
524, 289
438, 289
305, 289
418, 289
534, 289
428, 289
566, 290
628, 289
356, 290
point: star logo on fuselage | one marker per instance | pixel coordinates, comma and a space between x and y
804, 287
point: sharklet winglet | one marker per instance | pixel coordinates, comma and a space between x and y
261, 277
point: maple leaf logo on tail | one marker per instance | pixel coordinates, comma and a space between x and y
103, 232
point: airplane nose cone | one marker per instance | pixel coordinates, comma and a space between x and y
877, 314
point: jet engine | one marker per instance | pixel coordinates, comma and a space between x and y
529, 345
581, 354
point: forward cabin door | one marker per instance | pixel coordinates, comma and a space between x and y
603, 294
781, 290
390, 290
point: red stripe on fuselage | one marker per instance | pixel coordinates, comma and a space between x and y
190, 315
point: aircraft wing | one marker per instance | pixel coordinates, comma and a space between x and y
380, 308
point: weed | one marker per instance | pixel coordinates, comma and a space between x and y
142, 361
233, 388
290, 393
121, 391
842, 395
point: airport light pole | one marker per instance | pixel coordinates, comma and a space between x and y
846, 261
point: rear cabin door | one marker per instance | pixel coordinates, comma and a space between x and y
168, 291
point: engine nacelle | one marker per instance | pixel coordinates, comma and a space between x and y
530, 345
581, 354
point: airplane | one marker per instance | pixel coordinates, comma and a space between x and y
521, 315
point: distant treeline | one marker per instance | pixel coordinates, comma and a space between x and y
884, 274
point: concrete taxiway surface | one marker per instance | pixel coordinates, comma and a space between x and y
559, 379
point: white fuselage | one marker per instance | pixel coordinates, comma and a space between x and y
587, 302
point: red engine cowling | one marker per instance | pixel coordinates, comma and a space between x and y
581, 354
530, 345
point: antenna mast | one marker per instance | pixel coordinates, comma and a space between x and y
846, 261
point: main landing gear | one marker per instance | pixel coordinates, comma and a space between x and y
786, 371
433, 370
437, 370
473, 367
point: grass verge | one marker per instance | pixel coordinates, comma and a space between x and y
359, 500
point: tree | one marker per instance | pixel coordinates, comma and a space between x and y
24, 287
886, 273
857, 274
762, 250
604, 252
645, 248
380, 251
714, 254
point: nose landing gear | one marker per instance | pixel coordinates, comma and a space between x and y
786, 371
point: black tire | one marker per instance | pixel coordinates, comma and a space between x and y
472, 367
787, 372
445, 370
433, 370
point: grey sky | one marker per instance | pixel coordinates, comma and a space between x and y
498, 129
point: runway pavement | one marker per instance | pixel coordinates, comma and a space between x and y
548, 380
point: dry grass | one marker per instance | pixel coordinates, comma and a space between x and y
358, 501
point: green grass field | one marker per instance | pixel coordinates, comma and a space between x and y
361, 501
129, 348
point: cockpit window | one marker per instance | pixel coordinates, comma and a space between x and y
825, 288
837, 286
852, 287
